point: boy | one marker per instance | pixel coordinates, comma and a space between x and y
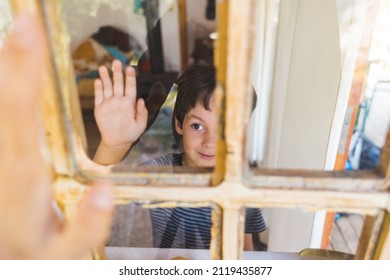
194, 128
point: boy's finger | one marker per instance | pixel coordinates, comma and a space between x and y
142, 113
118, 78
107, 85
99, 97
131, 85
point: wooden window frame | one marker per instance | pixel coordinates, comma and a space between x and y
365, 192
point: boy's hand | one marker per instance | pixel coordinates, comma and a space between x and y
121, 118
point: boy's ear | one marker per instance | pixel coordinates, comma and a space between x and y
178, 127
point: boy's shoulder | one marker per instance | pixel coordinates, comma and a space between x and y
171, 159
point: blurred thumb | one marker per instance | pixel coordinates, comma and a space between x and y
90, 225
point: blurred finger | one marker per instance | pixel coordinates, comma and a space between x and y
23, 61
21, 81
91, 224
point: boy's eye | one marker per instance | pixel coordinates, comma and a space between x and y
197, 126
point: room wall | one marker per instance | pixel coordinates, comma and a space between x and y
302, 100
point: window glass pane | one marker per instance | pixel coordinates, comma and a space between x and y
255, 227
298, 234
319, 73
168, 72
158, 231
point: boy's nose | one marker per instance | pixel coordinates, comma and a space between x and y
209, 139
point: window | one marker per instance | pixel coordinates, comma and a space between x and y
234, 184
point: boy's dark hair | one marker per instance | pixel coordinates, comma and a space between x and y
196, 84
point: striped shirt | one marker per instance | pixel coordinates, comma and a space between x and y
190, 227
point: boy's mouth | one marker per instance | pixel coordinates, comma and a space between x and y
206, 156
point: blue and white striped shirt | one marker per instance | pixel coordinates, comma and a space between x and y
190, 227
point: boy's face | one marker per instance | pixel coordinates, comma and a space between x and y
199, 130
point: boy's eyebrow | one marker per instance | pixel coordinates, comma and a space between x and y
196, 117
